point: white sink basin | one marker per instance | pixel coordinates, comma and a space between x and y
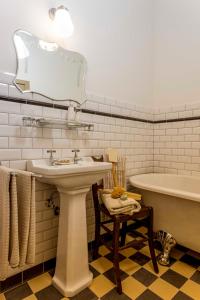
73, 181
85, 172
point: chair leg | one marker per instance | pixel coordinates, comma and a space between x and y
150, 240
97, 238
123, 234
116, 233
96, 241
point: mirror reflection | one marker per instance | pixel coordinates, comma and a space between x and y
47, 69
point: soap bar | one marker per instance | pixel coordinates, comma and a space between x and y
135, 196
112, 155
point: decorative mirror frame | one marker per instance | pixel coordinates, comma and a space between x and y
24, 86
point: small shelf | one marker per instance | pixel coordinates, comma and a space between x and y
56, 123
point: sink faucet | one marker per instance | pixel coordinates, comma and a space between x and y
76, 159
51, 159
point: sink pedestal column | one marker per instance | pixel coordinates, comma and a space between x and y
72, 273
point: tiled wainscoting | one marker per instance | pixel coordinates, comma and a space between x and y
19, 144
160, 141
177, 143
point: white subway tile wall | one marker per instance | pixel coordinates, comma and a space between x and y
177, 147
19, 143
177, 144
166, 147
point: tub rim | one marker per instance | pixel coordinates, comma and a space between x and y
135, 181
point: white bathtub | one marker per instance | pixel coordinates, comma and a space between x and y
176, 203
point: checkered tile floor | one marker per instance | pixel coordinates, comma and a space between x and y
179, 281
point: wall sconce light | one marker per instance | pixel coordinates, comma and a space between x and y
62, 21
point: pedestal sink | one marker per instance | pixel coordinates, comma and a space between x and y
73, 182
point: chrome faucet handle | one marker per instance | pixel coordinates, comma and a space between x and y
51, 159
51, 151
76, 159
75, 150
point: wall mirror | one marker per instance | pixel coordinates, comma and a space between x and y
49, 70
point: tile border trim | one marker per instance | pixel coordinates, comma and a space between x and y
65, 107
21, 277
94, 112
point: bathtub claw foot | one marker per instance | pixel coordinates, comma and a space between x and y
168, 242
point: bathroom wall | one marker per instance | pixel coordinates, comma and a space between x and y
176, 52
177, 140
19, 143
172, 147
116, 46
115, 38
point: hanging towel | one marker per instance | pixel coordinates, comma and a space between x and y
26, 216
14, 232
17, 220
4, 221
118, 206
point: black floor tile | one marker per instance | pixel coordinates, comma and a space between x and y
32, 272
49, 293
18, 293
11, 282
110, 274
113, 295
196, 277
144, 276
190, 260
110, 257
139, 246
174, 278
86, 294
133, 234
148, 295
140, 258
181, 296
94, 271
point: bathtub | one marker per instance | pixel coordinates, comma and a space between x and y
176, 203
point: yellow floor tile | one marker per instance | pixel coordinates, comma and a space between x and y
191, 289
129, 266
146, 251
31, 297
163, 289
129, 238
101, 286
132, 288
142, 230
103, 250
102, 264
2, 297
40, 282
149, 266
128, 252
183, 269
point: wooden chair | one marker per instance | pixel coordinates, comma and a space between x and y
143, 217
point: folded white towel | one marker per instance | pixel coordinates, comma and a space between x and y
118, 206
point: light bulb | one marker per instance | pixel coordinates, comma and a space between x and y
62, 21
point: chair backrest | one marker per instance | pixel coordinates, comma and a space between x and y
107, 181
120, 171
